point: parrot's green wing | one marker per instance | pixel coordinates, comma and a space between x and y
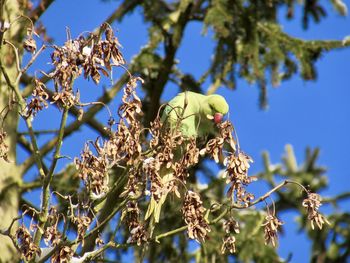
182, 113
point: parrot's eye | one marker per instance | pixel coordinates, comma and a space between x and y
212, 108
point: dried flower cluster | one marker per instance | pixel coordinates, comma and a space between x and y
92, 55
52, 236
129, 134
229, 244
63, 255
236, 175
123, 147
151, 168
3, 146
231, 227
26, 245
82, 223
214, 147
39, 98
312, 204
135, 184
189, 158
173, 155
137, 230
93, 170
193, 214
29, 43
271, 225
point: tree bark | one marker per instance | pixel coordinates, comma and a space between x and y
10, 173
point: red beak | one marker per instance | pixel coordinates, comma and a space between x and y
218, 118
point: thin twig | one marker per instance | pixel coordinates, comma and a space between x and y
32, 60
48, 178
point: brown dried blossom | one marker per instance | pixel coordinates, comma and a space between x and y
63, 255
180, 171
134, 186
39, 100
231, 226
236, 174
229, 244
91, 55
129, 133
26, 245
151, 168
168, 149
125, 144
155, 130
82, 223
166, 155
312, 204
133, 148
138, 233
66, 60
4, 148
115, 147
110, 48
29, 43
99, 241
93, 170
271, 225
131, 107
65, 97
193, 214
191, 156
214, 148
225, 130
52, 236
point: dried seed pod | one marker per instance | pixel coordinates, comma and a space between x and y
63, 255
271, 225
82, 223
231, 226
193, 214
26, 245
229, 244
312, 204
138, 233
236, 174
29, 44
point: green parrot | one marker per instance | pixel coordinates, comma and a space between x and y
196, 112
195, 115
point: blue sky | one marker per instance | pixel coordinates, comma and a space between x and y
314, 114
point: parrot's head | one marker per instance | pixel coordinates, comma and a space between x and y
218, 107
